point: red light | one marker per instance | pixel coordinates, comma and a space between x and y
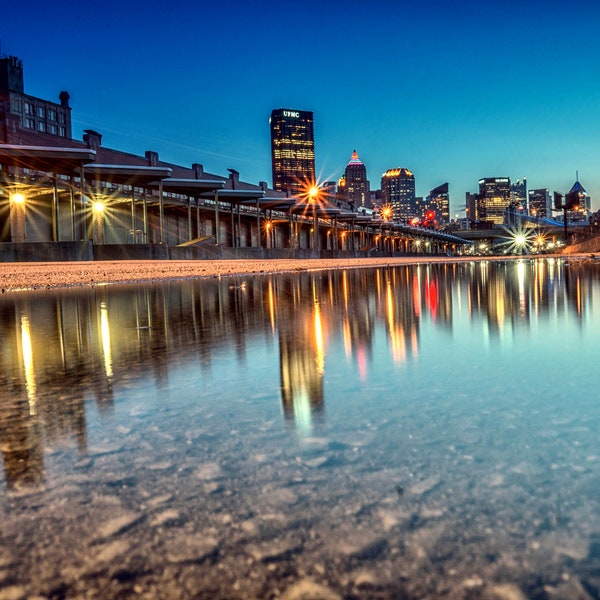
430, 215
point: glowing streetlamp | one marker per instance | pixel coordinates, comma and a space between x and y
386, 213
17, 218
98, 222
314, 193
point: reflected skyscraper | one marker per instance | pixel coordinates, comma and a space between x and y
292, 149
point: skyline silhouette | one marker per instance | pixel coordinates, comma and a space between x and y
453, 93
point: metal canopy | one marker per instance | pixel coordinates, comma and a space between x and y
43, 158
126, 174
275, 203
308, 209
234, 196
191, 187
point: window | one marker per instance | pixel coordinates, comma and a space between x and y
41, 126
41, 113
53, 129
30, 123
61, 118
28, 108
51, 115
62, 132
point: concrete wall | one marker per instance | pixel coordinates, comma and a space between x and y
87, 251
46, 251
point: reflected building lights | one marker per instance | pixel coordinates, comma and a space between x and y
271, 302
345, 288
319, 340
76, 342
347, 337
27, 355
105, 340
397, 336
521, 287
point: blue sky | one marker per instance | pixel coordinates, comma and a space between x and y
452, 92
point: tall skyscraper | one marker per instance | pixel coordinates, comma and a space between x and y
439, 202
292, 150
494, 195
582, 200
539, 203
398, 191
356, 185
518, 193
473, 207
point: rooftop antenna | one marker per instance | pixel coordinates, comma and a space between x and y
576, 175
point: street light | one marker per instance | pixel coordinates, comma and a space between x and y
314, 193
17, 218
98, 222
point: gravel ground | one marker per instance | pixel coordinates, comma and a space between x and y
32, 276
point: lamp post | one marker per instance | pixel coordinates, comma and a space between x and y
313, 194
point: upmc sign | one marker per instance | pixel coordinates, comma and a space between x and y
291, 113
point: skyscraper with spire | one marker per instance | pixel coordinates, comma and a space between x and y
357, 188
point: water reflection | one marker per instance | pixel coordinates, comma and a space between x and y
62, 351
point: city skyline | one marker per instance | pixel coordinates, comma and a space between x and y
465, 92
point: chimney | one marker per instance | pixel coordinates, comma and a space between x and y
64, 99
263, 186
92, 138
152, 158
198, 170
234, 177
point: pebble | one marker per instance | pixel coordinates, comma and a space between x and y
117, 525
309, 590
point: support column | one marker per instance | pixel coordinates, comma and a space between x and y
133, 229
72, 208
258, 222
55, 232
161, 212
198, 217
145, 217
216, 217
